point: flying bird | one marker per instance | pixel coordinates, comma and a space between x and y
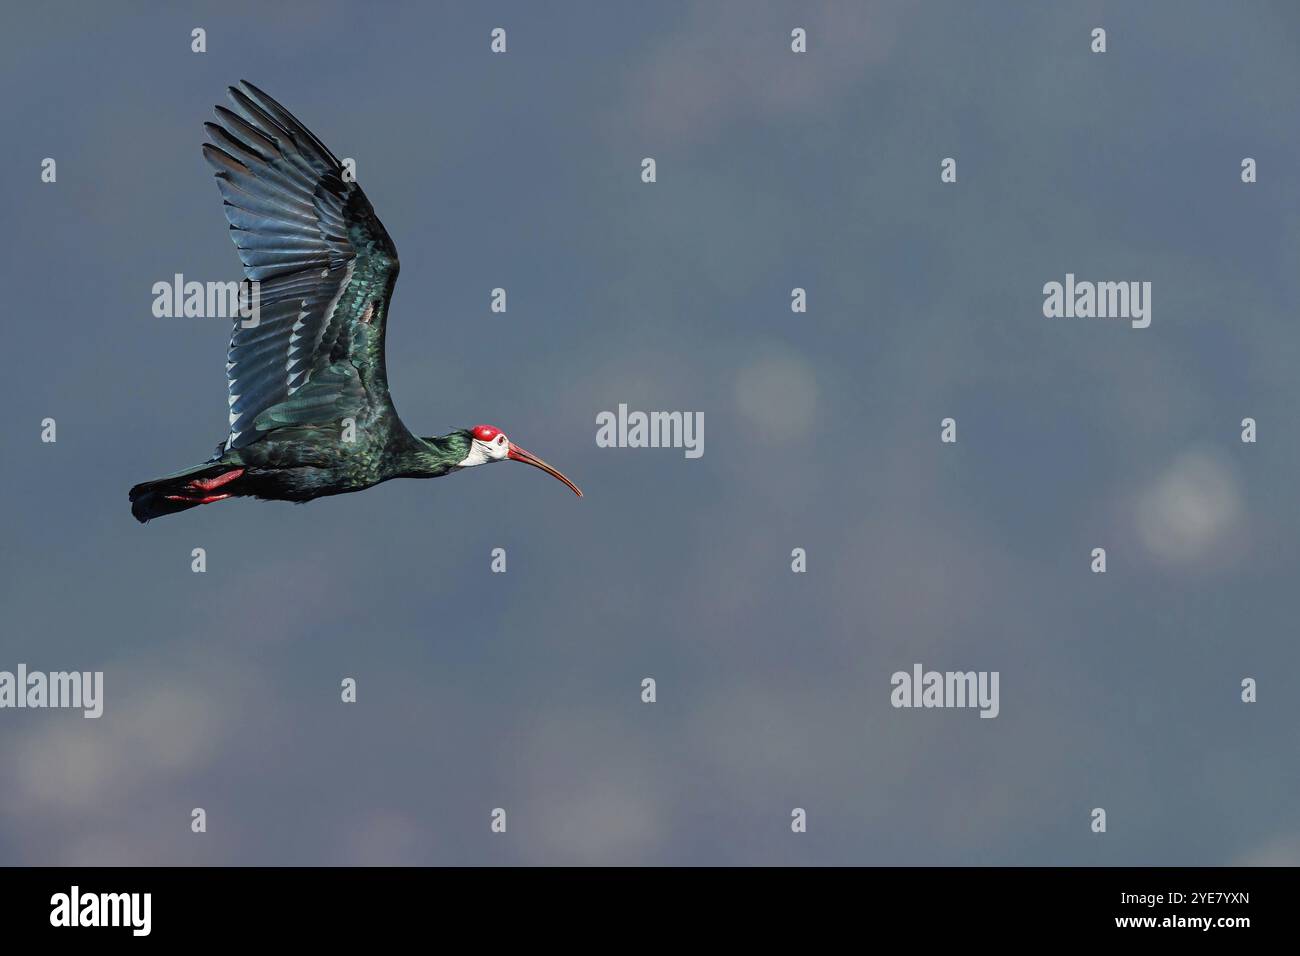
310, 410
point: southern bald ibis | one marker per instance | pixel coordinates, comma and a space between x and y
310, 412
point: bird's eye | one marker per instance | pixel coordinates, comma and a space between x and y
501, 439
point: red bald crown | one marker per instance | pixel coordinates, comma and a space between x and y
486, 432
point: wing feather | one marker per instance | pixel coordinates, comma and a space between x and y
310, 238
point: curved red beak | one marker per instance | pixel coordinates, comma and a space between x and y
528, 458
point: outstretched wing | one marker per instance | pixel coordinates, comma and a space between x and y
323, 261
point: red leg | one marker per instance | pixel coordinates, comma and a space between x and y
212, 484
197, 501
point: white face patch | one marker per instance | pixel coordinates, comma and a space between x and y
481, 452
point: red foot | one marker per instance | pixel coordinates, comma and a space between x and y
212, 484
197, 501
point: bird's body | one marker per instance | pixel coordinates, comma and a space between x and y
310, 409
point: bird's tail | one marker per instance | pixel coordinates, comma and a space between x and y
200, 485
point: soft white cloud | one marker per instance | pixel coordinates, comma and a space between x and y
1191, 509
777, 394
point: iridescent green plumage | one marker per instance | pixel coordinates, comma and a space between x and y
310, 410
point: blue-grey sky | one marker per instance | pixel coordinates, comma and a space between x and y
775, 170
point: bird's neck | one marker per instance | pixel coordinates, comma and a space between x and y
430, 457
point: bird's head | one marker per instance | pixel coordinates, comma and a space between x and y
488, 443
